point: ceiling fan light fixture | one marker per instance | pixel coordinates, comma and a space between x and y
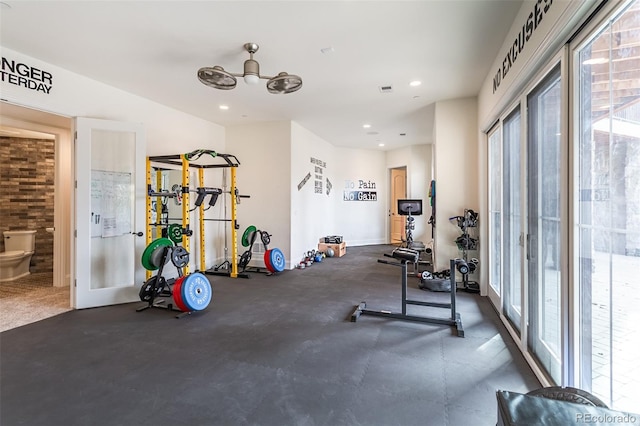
251, 72
218, 78
284, 83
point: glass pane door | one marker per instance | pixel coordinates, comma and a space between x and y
608, 150
544, 174
110, 210
512, 297
495, 200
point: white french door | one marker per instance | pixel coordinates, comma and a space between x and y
109, 212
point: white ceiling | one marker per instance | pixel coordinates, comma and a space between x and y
154, 49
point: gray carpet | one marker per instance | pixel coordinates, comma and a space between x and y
270, 350
30, 299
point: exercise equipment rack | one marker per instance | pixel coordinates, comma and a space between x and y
158, 287
405, 256
185, 161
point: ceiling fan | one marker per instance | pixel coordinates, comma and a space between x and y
218, 78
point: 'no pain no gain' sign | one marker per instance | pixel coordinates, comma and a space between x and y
360, 191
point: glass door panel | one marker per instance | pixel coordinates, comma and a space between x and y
110, 211
512, 297
495, 200
608, 89
544, 176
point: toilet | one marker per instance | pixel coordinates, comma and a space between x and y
15, 260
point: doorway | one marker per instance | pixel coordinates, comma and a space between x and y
38, 148
398, 192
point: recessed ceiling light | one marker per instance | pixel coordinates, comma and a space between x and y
366, 126
224, 107
415, 83
380, 144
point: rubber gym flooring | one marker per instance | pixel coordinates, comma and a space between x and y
269, 350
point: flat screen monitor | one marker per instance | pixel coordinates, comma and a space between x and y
410, 206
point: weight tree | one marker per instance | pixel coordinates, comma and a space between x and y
185, 162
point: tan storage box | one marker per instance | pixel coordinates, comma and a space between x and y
339, 250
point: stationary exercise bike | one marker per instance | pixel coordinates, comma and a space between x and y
411, 208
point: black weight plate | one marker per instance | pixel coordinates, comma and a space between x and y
244, 259
152, 288
265, 237
180, 257
147, 291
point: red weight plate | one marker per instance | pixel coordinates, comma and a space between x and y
267, 261
177, 294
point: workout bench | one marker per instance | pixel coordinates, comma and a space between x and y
411, 256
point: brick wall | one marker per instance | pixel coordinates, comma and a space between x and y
27, 168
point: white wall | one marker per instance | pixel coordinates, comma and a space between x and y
456, 172
168, 131
418, 161
264, 152
312, 214
362, 222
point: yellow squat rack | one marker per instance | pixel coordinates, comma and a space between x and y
185, 161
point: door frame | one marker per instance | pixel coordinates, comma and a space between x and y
27, 118
393, 201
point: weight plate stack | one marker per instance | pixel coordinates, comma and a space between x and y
267, 261
177, 294
151, 256
196, 292
276, 259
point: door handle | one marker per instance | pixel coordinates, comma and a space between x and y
139, 234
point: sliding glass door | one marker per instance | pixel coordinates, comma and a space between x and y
544, 182
495, 216
607, 72
512, 216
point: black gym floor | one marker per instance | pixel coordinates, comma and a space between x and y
269, 350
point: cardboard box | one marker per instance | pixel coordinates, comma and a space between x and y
339, 250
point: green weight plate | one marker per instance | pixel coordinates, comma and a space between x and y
248, 235
147, 255
174, 232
